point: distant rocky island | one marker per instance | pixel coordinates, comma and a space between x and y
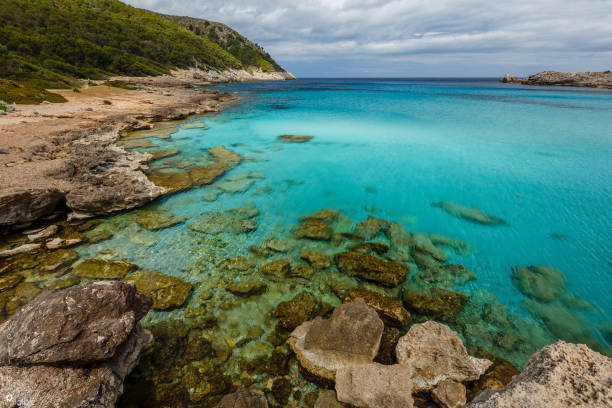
582, 79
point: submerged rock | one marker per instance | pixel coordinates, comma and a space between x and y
461, 247
244, 398
22, 249
235, 186
62, 283
155, 220
370, 228
350, 337
97, 268
436, 303
76, 325
43, 233
294, 138
473, 214
246, 288
166, 291
375, 386
7, 282
276, 270
314, 229
296, 311
162, 154
401, 242
316, 259
423, 244
171, 181
371, 268
559, 375
328, 399
327, 215
435, 353
59, 259
234, 221
370, 248
390, 310
543, 283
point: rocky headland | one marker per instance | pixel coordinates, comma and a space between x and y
581, 79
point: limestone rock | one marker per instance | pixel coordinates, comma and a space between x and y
370, 228
375, 386
244, 398
450, 394
18, 206
371, 268
246, 288
22, 249
327, 215
296, 311
350, 337
166, 291
294, 138
44, 233
277, 245
472, 214
162, 154
316, 259
559, 375
435, 303
97, 268
75, 325
59, 259
328, 399
171, 181
155, 220
48, 386
543, 283
435, 353
314, 229
389, 310
276, 270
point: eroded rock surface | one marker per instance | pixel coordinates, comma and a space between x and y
166, 291
472, 214
389, 310
244, 398
97, 268
559, 375
435, 353
371, 268
296, 311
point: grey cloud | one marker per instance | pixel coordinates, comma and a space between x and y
393, 37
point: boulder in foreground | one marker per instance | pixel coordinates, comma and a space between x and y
559, 375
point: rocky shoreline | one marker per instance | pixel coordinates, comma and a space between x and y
64, 157
555, 78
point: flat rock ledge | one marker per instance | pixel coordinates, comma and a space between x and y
72, 347
560, 375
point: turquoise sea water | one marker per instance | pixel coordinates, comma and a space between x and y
538, 157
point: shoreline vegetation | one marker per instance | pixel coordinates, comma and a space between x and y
554, 78
70, 119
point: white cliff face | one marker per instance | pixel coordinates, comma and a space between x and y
232, 75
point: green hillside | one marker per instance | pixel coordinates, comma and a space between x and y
247, 52
48, 43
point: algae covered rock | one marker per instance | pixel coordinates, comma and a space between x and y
246, 288
97, 268
472, 214
370, 228
10, 281
316, 259
559, 375
294, 138
390, 310
244, 398
296, 311
166, 291
371, 268
351, 336
62, 283
435, 353
234, 221
543, 283
436, 303
276, 270
155, 220
375, 386
327, 215
315, 230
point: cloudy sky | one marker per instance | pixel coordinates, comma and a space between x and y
407, 38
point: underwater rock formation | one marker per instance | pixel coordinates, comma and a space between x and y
350, 337
327, 215
472, 214
166, 291
371, 268
244, 398
375, 386
390, 310
543, 283
296, 311
234, 221
435, 353
371, 227
276, 270
314, 229
316, 259
155, 220
559, 375
423, 244
97, 268
246, 288
294, 138
436, 303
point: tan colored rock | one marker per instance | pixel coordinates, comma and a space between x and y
296, 311
327, 399
7, 282
450, 394
370, 228
97, 268
166, 291
171, 181
244, 398
327, 215
315, 230
316, 259
246, 288
389, 310
276, 270
44, 233
294, 138
62, 283
59, 259
350, 337
435, 353
371, 268
155, 220
162, 154
375, 386
22, 249
560, 375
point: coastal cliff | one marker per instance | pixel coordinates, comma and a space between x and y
555, 78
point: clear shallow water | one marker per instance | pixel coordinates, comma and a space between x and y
537, 157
